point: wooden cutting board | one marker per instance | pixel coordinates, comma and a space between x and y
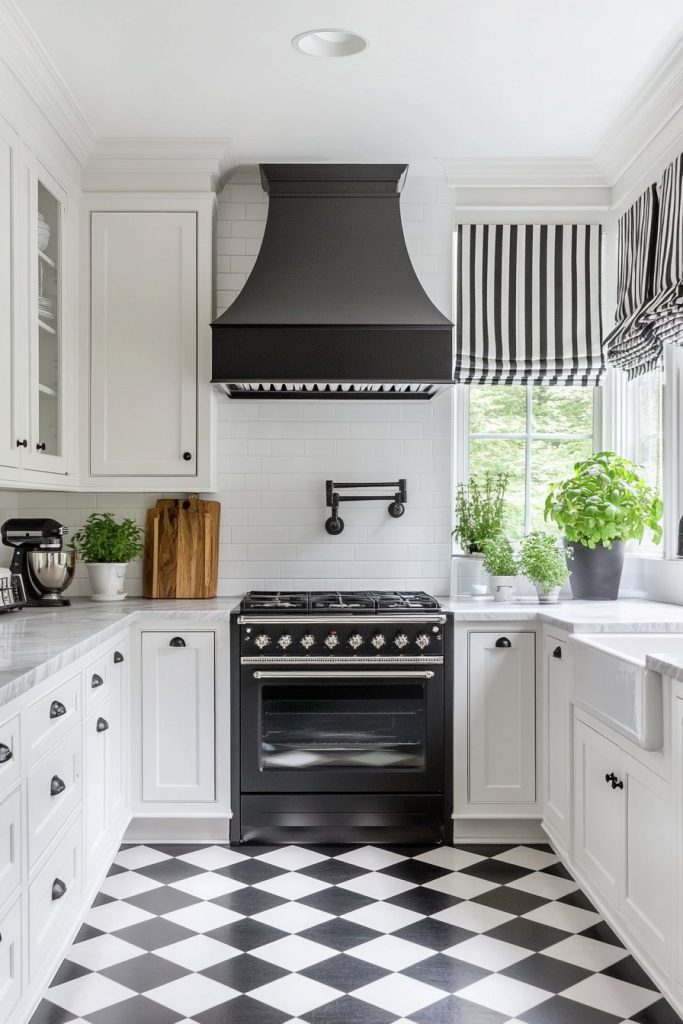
181, 548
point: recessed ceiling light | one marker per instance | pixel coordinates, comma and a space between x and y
329, 42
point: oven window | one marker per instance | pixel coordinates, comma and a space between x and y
369, 726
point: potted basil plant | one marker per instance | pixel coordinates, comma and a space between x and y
107, 547
502, 565
605, 503
544, 564
479, 510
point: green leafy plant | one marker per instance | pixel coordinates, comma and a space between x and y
479, 510
499, 556
605, 499
102, 539
542, 561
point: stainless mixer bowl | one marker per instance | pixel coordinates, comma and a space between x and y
51, 571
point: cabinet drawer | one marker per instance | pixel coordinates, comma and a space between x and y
54, 792
9, 753
97, 680
54, 896
10, 959
48, 720
10, 846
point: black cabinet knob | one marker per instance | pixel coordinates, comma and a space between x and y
118, 657
58, 889
178, 641
187, 456
41, 446
616, 783
22, 444
557, 653
57, 709
102, 725
6, 754
96, 681
503, 641
57, 785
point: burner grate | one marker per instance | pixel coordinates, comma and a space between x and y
342, 602
276, 601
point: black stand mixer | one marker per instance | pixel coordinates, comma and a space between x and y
45, 568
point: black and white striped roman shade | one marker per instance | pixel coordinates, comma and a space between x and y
636, 345
529, 304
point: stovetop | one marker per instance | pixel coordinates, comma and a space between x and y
341, 602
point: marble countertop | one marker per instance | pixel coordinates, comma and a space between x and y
35, 643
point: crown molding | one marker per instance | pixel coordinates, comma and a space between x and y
656, 101
542, 172
162, 165
25, 56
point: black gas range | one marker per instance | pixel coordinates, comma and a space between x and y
342, 717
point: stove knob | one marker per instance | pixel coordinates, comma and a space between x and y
331, 641
423, 640
307, 641
285, 641
355, 641
262, 640
378, 641
401, 641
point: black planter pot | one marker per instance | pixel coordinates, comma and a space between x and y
596, 572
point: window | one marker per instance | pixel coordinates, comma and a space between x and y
645, 435
535, 434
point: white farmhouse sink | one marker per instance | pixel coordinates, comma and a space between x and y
611, 681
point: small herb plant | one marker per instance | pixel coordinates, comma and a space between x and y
499, 556
605, 499
479, 510
542, 561
102, 539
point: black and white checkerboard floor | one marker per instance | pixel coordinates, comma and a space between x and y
346, 935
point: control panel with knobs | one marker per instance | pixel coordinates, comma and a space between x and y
262, 641
401, 641
423, 640
307, 641
355, 641
331, 641
285, 641
378, 641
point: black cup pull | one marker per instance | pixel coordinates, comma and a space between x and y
557, 653
118, 657
58, 889
503, 641
57, 785
102, 725
178, 641
57, 709
96, 681
6, 753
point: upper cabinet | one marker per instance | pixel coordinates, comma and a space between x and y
149, 312
9, 454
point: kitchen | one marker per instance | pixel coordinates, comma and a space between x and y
385, 774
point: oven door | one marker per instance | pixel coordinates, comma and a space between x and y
342, 730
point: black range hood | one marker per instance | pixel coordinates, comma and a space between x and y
333, 307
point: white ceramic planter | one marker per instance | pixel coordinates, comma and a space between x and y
502, 587
547, 596
107, 580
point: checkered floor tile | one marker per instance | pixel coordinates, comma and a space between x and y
332, 935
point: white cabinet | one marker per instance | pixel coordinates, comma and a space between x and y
10, 845
10, 959
97, 787
118, 720
178, 728
502, 717
557, 674
143, 344
622, 837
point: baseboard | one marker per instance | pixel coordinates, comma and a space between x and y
214, 829
497, 830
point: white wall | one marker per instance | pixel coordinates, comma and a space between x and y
274, 457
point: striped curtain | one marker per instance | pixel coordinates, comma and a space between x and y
637, 344
528, 304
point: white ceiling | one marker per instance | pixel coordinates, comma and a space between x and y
467, 79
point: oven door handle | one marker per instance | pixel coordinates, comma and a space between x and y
344, 675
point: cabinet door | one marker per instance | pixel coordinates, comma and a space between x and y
143, 359
118, 707
178, 726
502, 718
10, 959
599, 839
97, 786
557, 669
